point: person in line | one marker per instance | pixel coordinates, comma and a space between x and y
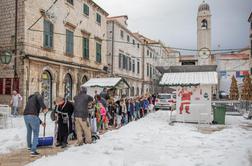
64, 111
81, 115
104, 118
111, 112
31, 117
104, 94
141, 106
137, 108
145, 105
16, 99
118, 109
124, 112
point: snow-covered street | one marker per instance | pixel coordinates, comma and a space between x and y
14, 137
151, 141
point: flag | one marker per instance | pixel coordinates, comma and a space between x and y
242, 73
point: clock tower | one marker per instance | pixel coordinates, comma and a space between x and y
204, 34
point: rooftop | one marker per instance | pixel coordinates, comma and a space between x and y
203, 7
234, 57
189, 78
179, 69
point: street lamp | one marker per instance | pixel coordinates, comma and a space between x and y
6, 57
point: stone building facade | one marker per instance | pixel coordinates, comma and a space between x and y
125, 58
250, 37
61, 44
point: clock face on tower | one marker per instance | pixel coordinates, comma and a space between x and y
204, 53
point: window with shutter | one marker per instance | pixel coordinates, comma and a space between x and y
126, 62
138, 67
98, 52
120, 61
48, 34
148, 69
69, 42
70, 1
1, 86
86, 9
133, 66
8, 86
98, 18
128, 38
85, 48
129, 64
121, 34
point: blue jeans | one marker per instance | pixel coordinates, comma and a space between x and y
14, 110
32, 123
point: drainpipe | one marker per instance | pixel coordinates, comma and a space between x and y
143, 67
112, 56
16, 20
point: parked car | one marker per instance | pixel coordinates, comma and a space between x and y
165, 101
223, 95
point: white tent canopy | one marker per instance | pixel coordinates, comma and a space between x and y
189, 78
117, 82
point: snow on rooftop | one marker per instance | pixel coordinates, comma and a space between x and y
102, 82
189, 78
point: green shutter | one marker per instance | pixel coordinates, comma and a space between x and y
51, 36
98, 52
98, 18
86, 9
69, 42
120, 60
48, 34
85, 48
147, 69
45, 33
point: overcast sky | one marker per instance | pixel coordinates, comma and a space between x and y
174, 21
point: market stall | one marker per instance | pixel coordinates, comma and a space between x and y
112, 84
193, 94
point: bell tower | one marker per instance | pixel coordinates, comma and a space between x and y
204, 34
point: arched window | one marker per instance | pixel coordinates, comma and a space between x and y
84, 79
47, 88
68, 86
204, 24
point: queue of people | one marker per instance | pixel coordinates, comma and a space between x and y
72, 119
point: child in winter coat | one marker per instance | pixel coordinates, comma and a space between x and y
104, 118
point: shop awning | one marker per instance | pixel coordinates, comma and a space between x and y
189, 79
107, 82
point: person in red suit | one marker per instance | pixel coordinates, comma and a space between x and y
185, 100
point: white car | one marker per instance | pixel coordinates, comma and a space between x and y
165, 101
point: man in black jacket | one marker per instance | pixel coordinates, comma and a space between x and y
64, 111
31, 117
81, 102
